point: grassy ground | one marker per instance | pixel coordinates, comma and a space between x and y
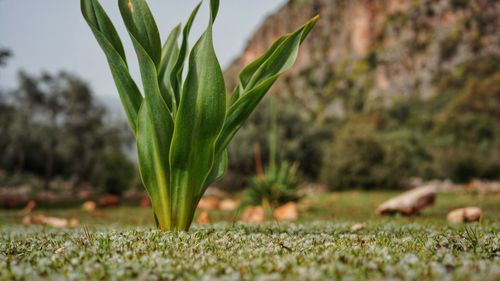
319, 246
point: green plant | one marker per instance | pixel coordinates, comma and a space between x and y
183, 125
276, 184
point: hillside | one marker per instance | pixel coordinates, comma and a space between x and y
375, 51
403, 61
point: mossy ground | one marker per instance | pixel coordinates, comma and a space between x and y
121, 244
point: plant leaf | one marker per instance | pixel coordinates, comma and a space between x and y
217, 172
240, 111
108, 39
257, 79
176, 75
249, 70
155, 129
155, 123
282, 58
153, 164
141, 24
170, 52
198, 123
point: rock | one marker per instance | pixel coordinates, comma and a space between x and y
13, 201
145, 202
204, 218
253, 214
484, 187
30, 206
51, 221
461, 215
357, 227
213, 191
26, 220
73, 223
229, 204
59, 250
287, 212
208, 203
410, 202
109, 201
89, 206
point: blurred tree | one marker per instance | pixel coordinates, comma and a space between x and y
4, 55
51, 126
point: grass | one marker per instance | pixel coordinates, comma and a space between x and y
319, 246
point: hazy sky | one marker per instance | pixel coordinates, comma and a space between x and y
52, 35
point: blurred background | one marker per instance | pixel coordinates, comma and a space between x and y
385, 95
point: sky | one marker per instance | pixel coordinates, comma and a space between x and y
51, 35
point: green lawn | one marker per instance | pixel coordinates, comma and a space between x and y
121, 244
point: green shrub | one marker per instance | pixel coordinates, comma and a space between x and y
364, 156
276, 186
302, 141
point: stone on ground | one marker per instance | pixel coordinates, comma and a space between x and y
410, 202
204, 218
461, 215
51, 221
229, 204
89, 206
208, 203
253, 214
287, 212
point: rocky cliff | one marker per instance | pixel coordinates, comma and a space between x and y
384, 90
366, 54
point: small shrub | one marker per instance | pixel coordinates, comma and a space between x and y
276, 186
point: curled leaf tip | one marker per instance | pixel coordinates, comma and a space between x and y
130, 6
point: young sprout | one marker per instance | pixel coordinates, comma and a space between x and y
183, 125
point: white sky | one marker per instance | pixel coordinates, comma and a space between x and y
52, 35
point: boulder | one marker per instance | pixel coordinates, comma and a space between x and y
204, 218
410, 202
357, 227
461, 215
14, 201
208, 203
89, 206
30, 207
109, 201
253, 214
51, 221
145, 202
229, 204
287, 212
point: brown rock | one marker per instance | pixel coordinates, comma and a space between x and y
287, 212
30, 206
229, 204
145, 202
357, 227
89, 206
208, 203
109, 201
73, 222
55, 222
51, 221
410, 202
469, 214
13, 201
253, 214
213, 191
204, 218
60, 250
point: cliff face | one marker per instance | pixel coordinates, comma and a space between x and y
367, 54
